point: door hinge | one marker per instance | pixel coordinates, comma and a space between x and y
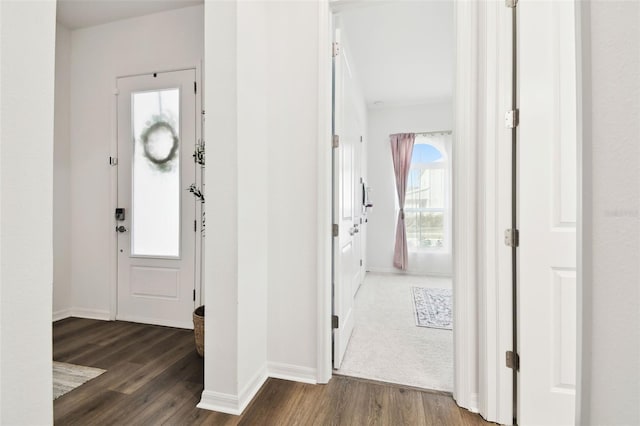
511, 3
511, 237
360, 262
360, 138
335, 321
113, 161
195, 225
512, 119
335, 141
335, 231
335, 49
194, 294
513, 360
195, 87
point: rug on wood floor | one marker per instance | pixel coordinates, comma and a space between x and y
67, 377
433, 307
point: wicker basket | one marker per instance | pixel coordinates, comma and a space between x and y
198, 329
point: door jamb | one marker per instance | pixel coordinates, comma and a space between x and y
113, 190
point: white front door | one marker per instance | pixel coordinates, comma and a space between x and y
548, 190
156, 223
345, 253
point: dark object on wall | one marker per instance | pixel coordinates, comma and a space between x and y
198, 329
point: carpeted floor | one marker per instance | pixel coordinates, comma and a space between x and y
386, 345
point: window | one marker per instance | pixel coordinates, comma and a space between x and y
426, 197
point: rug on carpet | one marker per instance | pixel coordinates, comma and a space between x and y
67, 377
433, 307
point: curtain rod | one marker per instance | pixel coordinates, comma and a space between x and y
439, 132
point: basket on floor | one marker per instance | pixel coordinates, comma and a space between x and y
198, 329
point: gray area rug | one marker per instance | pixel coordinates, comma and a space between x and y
433, 307
67, 377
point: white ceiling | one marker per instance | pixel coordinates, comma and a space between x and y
402, 51
75, 14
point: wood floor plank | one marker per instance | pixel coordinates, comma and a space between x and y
406, 407
154, 377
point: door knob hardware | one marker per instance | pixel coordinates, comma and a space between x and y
121, 228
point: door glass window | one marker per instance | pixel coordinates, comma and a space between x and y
155, 227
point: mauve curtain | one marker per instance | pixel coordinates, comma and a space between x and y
401, 150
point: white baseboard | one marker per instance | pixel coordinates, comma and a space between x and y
232, 404
294, 373
96, 314
393, 271
62, 314
144, 320
221, 402
252, 387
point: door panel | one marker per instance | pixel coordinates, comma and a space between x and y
547, 211
156, 239
344, 251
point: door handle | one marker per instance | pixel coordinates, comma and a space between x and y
352, 231
121, 228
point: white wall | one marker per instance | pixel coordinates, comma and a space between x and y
221, 255
253, 198
610, 367
382, 217
163, 41
236, 188
293, 117
27, 55
61, 180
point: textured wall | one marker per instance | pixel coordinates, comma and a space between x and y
611, 300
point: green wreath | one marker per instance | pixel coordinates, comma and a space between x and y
161, 163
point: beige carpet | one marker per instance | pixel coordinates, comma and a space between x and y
386, 345
67, 377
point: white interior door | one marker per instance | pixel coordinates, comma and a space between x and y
345, 255
547, 212
156, 234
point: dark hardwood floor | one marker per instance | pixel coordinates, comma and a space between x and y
155, 377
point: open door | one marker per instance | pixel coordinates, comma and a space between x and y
548, 210
345, 257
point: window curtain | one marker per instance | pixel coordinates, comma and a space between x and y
401, 151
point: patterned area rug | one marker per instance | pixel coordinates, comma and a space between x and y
433, 307
67, 377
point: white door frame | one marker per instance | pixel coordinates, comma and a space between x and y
113, 187
482, 264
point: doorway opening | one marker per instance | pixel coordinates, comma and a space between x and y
393, 68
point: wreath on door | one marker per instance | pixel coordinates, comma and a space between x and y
162, 163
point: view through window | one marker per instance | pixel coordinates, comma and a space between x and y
426, 198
